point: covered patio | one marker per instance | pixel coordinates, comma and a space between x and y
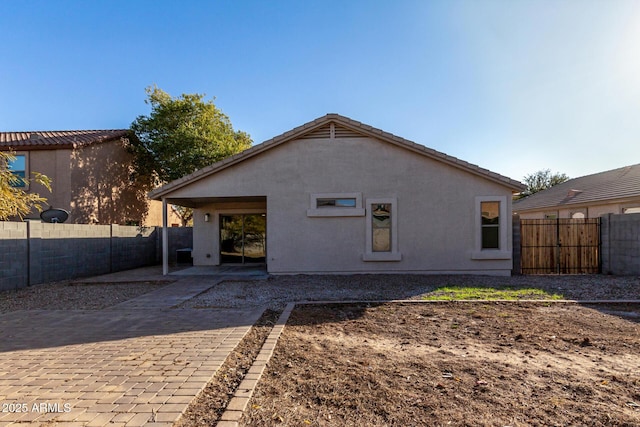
232, 234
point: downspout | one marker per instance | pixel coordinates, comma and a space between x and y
165, 239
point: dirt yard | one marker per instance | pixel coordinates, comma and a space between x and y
454, 363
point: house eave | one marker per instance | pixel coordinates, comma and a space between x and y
577, 205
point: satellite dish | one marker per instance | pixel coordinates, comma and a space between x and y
54, 215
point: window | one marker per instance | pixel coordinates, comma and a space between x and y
381, 227
382, 230
490, 225
18, 167
335, 204
492, 228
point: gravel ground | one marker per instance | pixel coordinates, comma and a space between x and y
275, 292
73, 296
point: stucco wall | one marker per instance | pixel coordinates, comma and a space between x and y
93, 184
435, 208
101, 191
55, 164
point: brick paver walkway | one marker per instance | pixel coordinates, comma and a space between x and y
138, 363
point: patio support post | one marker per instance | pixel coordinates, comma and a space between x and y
165, 239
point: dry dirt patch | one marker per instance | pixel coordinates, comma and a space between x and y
454, 363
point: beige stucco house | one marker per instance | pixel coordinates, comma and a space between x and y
338, 196
91, 173
614, 191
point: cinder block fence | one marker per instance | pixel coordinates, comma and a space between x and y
34, 252
620, 244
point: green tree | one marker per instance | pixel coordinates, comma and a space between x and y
14, 200
185, 214
542, 180
181, 135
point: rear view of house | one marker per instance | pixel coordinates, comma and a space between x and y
338, 196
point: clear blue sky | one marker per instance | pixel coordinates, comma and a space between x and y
513, 86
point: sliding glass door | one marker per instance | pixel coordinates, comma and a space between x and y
243, 238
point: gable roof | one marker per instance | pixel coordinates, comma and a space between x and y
51, 140
334, 126
614, 184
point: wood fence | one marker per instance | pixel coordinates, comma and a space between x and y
560, 246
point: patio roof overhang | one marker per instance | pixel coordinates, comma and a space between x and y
196, 202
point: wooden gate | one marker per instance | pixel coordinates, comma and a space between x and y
560, 246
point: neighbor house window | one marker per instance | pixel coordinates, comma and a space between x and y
491, 228
382, 230
335, 204
18, 167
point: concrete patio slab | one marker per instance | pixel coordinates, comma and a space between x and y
240, 270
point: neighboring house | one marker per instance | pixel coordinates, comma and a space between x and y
338, 196
91, 173
612, 192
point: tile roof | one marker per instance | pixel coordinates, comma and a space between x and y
614, 184
346, 126
57, 139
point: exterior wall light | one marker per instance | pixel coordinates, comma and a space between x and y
206, 217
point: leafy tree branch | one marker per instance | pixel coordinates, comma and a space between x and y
541, 180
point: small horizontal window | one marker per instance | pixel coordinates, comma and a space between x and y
336, 203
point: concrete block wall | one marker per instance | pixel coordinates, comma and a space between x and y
517, 250
68, 251
35, 252
179, 238
620, 248
133, 247
13, 255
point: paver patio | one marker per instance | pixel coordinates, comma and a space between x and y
137, 363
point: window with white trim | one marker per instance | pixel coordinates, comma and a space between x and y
335, 204
382, 230
491, 228
490, 225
